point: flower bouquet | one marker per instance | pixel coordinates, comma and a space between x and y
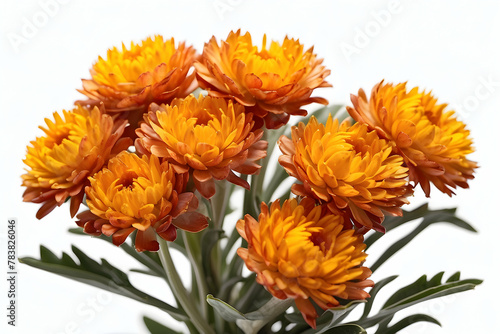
176, 150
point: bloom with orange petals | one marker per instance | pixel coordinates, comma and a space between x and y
130, 79
74, 146
433, 143
349, 168
210, 137
140, 194
301, 251
273, 82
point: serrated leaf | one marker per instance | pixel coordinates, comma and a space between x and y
226, 311
68, 261
429, 218
419, 291
104, 276
149, 259
155, 327
453, 278
422, 288
87, 263
118, 276
402, 324
373, 293
47, 255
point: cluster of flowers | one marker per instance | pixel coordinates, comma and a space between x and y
140, 149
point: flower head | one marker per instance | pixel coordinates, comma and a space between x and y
74, 146
209, 137
349, 168
301, 251
273, 82
433, 143
128, 80
140, 194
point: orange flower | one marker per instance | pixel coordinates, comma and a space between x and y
301, 251
433, 143
272, 83
209, 137
130, 79
139, 194
349, 168
73, 148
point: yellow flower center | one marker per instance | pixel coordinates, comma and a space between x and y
131, 191
204, 129
274, 65
122, 68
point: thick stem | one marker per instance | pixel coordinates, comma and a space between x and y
180, 291
198, 271
219, 202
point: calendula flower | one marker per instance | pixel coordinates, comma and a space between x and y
433, 143
128, 80
349, 168
208, 137
273, 82
74, 146
140, 194
301, 251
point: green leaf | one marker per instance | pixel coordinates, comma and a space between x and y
47, 255
266, 313
402, 324
295, 318
146, 272
333, 316
149, 259
346, 329
226, 311
391, 222
155, 327
373, 293
429, 218
424, 288
104, 276
419, 291
227, 287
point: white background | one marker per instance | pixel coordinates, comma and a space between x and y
451, 47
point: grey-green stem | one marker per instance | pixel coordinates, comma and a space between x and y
180, 291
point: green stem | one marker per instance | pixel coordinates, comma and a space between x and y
197, 269
233, 238
219, 202
180, 291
